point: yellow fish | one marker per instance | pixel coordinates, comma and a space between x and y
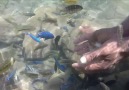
71, 1
6, 65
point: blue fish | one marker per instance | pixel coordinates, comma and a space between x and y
45, 34
11, 75
61, 67
37, 39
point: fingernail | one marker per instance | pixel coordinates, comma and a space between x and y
83, 60
80, 27
75, 65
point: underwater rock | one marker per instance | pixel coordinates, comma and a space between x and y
59, 78
3, 23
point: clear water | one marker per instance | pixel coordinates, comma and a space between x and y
20, 16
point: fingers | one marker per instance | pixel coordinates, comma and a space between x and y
78, 67
83, 51
98, 67
81, 38
83, 48
87, 30
93, 55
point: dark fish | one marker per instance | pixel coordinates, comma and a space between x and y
57, 40
37, 39
30, 14
111, 82
45, 34
24, 53
62, 53
35, 62
73, 8
34, 59
61, 67
60, 47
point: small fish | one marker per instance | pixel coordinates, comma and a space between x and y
46, 71
11, 75
35, 62
10, 20
71, 1
48, 19
30, 70
71, 22
24, 28
37, 39
62, 53
61, 67
45, 34
73, 9
42, 80
34, 59
6, 65
57, 40
30, 14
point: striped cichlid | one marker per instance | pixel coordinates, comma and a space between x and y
71, 1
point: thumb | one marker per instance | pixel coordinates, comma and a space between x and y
93, 55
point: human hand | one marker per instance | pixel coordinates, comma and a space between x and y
103, 59
100, 36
